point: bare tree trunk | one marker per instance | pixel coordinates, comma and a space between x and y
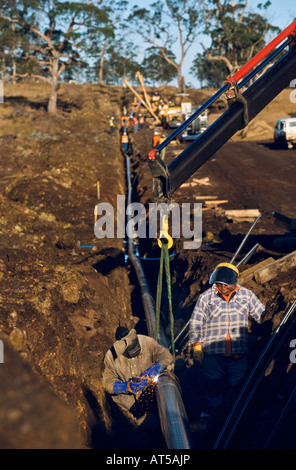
181, 81
13, 71
14, 56
102, 58
3, 69
52, 103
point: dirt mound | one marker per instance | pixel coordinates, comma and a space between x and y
63, 291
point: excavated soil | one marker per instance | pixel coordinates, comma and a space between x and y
64, 291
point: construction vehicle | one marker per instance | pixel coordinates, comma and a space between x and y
155, 102
146, 96
170, 115
196, 127
141, 100
285, 132
242, 108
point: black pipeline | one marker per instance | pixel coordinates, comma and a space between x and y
167, 179
172, 414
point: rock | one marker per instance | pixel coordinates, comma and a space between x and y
18, 339
208, 237
70, 293
47, 217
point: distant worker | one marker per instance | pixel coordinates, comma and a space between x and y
155, 140
218, 332
124, 142
162, 152
111, 123
132, 365
135, 123
141, 121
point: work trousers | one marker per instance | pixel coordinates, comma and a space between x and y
221, 373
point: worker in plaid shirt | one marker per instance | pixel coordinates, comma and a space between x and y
218, 332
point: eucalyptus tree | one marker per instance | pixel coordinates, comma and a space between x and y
236, 35
156, 69
59, 31
169, 25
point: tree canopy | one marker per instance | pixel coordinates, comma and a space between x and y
235, 37
54, 40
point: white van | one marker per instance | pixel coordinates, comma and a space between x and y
285, 132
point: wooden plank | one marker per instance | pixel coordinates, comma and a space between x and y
242, 213
276, 268
215, 203
248, 274
239, 220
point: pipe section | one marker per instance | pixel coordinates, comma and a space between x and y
172, 414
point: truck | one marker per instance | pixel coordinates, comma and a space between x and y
170, 116
285, 132
196, 127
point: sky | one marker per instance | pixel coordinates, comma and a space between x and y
280, 13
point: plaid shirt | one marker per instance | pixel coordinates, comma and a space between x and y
213, 318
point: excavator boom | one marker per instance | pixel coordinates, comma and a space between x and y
168, 178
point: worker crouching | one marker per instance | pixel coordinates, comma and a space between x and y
218, 332
132, 367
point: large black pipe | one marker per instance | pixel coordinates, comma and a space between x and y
172, 414
167, 179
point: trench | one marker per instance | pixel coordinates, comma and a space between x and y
171, 411
189, 275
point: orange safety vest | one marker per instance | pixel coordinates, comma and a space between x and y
124, 139
155, 141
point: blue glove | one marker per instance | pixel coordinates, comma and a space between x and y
129, 386
120, 387
135, 387
153, 370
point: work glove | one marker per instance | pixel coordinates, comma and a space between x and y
135, 385
197, 353
130, 386
153, 370
120, 387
